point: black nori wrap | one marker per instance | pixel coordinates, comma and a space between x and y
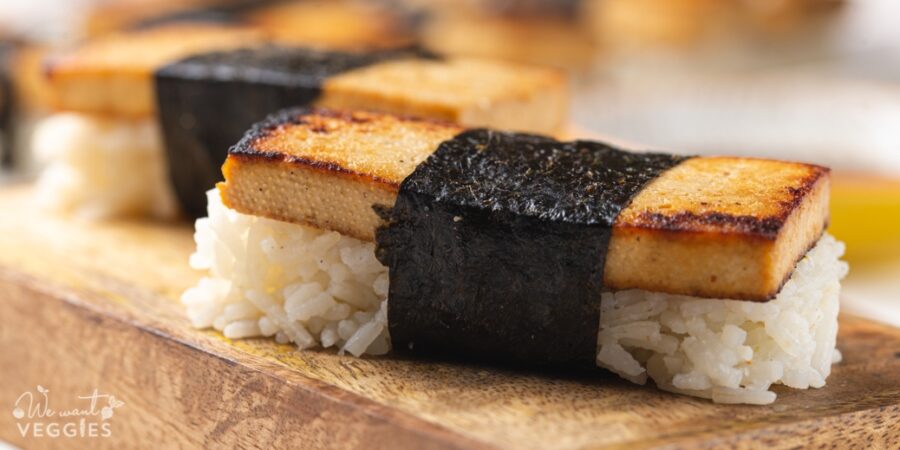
497, 242
206, 102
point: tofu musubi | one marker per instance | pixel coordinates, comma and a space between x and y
712, 276
149, 113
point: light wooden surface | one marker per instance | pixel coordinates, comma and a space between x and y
86, 307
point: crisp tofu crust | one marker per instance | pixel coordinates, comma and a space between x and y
710, 227
113, 75
468, 91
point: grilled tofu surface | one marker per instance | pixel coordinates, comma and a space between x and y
113, 75
711, 227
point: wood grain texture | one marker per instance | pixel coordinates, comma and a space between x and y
95, 306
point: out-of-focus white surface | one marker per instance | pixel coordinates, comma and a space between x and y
874, 293
840, 123
44, 20
832, 98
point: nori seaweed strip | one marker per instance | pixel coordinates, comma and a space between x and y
206, 102
497, 242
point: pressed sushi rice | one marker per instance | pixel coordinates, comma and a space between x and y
727, 350
317, 288
99, 168
299, 284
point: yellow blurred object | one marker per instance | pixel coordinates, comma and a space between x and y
114, 15
337, 24
654, 22
687, 23
552, 42
865, 214
31, 89
778, 16
332, 24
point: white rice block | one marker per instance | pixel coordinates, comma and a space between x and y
302, 285
99, 168
727, 350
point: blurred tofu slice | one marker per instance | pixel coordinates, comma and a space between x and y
113, 75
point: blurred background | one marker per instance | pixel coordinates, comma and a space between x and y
810, 80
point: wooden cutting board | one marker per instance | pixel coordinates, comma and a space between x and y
85, 307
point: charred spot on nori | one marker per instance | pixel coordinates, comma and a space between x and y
206, 102
497, 242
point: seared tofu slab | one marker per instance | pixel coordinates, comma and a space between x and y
328, 169
720, 227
